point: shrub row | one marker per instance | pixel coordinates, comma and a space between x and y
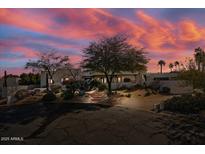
186, 104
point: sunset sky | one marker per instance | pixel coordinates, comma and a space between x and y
168, 34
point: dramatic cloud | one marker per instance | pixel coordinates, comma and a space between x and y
169, 34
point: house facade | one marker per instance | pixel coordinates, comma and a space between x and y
168, 80
61, 76
123, 79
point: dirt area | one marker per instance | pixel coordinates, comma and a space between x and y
130, 121
138, 100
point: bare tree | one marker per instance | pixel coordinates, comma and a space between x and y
49, 62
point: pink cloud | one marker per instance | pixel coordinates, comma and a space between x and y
169, 40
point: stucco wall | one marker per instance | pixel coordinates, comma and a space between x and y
59, 74
177, 86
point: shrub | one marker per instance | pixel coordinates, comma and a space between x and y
165, 90
37, 91
49, 96
138, 86
128, 95
67, 95
55, 88
123, 87
147, 94
185, 104
98, 84
21, 94
102, 87
155, 85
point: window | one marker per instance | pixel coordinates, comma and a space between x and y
127, 80
161, 78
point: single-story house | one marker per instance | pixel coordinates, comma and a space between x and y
123, 79
168, 80
60, 76
126, 79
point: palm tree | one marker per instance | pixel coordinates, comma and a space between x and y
171, 66
161, 63
176, 64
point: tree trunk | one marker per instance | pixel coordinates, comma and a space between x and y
199, 66
109, 87
47, 82
203, 65
161, 69
109, 83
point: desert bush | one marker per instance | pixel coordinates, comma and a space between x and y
123, 87
165, 90
55, 88
128, 95
73, 86
102, 87
21, 94
185, 104
193, 77
138, 86
148, 93
67, 94
155, 85
37, 91
49, 96
98, 84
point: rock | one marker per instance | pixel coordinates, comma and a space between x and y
202, 135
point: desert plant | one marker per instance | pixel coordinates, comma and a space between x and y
186, 104
67, 94
102, 87
98, 84
49, 96
55, 88
147, 94
128, 95
165, 90
21, 94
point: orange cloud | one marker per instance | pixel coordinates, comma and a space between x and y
21, 19
27, 52
161, 37
190, 32
157, 33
